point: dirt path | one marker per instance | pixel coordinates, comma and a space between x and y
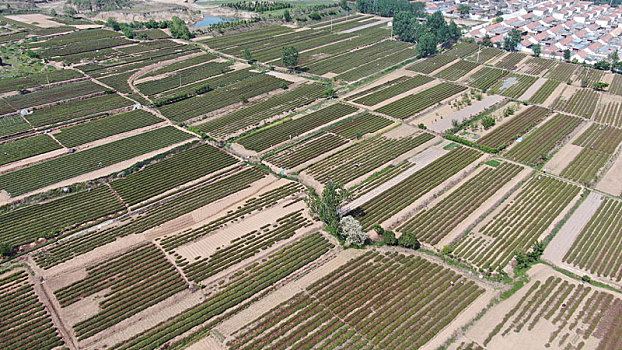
532, 89
567, 153
564, 239
420, 160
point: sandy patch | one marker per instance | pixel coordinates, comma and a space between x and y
420, 161
532, 89
461, 115
562, 158
563, 240
37, 19
219, 239
559, 90
329, 75
368, 25
289, 77
611, 182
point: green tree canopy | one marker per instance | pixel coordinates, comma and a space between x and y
289, 56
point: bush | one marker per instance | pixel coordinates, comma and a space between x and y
488, 122
388, 238
409, 240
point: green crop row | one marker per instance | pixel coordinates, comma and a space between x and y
158, 214
71, 165
25, 148
268, 137
171, 172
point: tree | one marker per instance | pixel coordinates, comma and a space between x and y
344, 4
69, 11
600, 86
6, 249
454, 32
488, 122
327, 208
53, 13
486, 41
286, 16
179, 29
426, 46
409, 240
352, 231
247, 55
614, 57
537, 50
464, 10
388, 238
602, 65
289, 56
512, 40
567, 55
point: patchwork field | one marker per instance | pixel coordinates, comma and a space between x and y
318, 182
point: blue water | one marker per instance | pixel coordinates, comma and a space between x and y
208, 20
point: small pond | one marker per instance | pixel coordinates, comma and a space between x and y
208, 20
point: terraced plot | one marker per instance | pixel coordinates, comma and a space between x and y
429, 65
544, 91
582, 103
561, 314
183, 77
25, 148
519, 224
302, 152
363, 157
138, 279
101, 128
536, 146
393, 90
71, 165
434, 224
27, 224
511, 60
516, 127
13, 125
597, 248
457, 70
485, 54
234, 294
537, 65
77, 110
54, 94
599, 143
610, 113
513, 85
238, 92
24, 314
38, 79
408, 296
485, 77
563, 71
171, 172
244, 247
281, 194
274, 135
158, 214
410, 105
362, 124
393, 200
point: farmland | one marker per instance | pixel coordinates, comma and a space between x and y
310, 175
537, 145
409, 105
